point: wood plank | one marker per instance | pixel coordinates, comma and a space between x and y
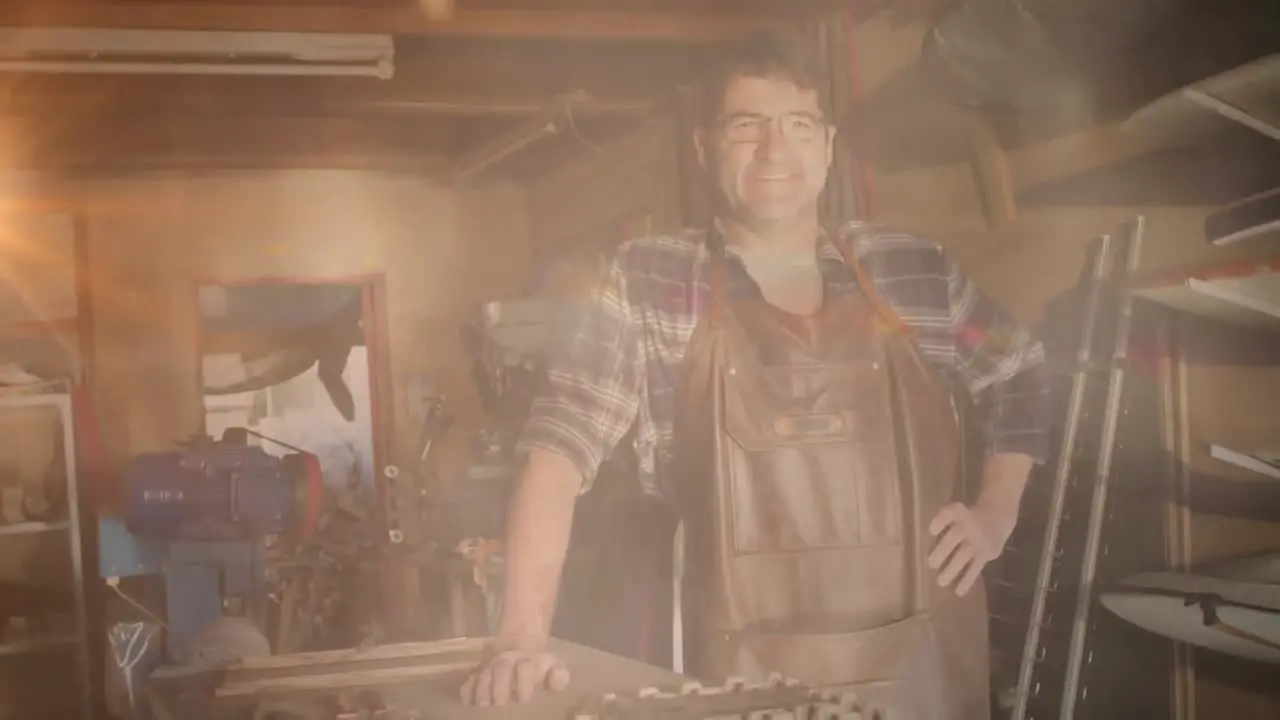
546, 124
1072, 153
211, 141
544, 24
380, 652
592, 674
329, 682
71, 168
433, 694
327, 662
991, 172
38, 328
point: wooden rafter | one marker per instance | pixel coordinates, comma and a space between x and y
229, 142
145, 100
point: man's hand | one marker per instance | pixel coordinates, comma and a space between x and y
969, 538
538, 528
515, 670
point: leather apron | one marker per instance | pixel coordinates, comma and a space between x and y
811, 454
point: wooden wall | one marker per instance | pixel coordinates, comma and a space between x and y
633, 180
1024, 263
438, 250
1038, 255
150, 239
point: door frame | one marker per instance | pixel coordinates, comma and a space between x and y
381, 401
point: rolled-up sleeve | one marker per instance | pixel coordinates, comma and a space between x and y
591, 391
1003, 364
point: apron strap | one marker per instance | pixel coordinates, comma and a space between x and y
917, 580
882, 307
717, 264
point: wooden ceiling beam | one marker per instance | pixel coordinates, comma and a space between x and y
112, 168
146, 102
459, 78
175, 142
545, 24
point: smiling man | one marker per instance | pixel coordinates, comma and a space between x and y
789, 389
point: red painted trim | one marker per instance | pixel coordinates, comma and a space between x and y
381, 418
1225, 272
358, 279
83, 269
98, 485
38, 328
201, 428
864, 176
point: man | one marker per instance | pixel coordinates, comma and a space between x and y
784, 382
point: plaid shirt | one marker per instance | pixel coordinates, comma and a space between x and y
618, 360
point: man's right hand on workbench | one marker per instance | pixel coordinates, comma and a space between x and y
514, 670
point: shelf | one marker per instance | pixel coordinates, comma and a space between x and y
31, 528
1247, 296
1262, 464
1248, 95
26, 647
1255, 219
38, 328
1211, 142
17, 398
56, 394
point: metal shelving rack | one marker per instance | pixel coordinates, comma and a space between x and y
1059, 668
79, 637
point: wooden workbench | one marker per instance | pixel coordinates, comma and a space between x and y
423, 678
592, 674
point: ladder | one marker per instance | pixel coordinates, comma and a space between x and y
1110, 263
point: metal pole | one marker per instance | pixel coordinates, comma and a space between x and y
1096, 262
67, 416
1097, 512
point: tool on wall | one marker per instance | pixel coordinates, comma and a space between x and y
407, 492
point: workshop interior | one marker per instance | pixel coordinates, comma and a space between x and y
279, 281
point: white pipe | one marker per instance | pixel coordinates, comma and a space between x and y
382, 69
544, 124
34, 43
1231, 112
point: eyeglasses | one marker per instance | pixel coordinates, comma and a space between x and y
752, 128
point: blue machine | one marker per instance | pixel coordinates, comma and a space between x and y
213, 491
198, 516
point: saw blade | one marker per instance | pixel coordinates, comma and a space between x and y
775, 699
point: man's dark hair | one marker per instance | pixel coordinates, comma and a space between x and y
775, 53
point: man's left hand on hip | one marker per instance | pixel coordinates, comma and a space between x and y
969, 537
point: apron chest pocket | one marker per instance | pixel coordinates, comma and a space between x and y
803, 476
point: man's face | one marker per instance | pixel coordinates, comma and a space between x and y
769, 149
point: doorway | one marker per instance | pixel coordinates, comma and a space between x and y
295, 363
